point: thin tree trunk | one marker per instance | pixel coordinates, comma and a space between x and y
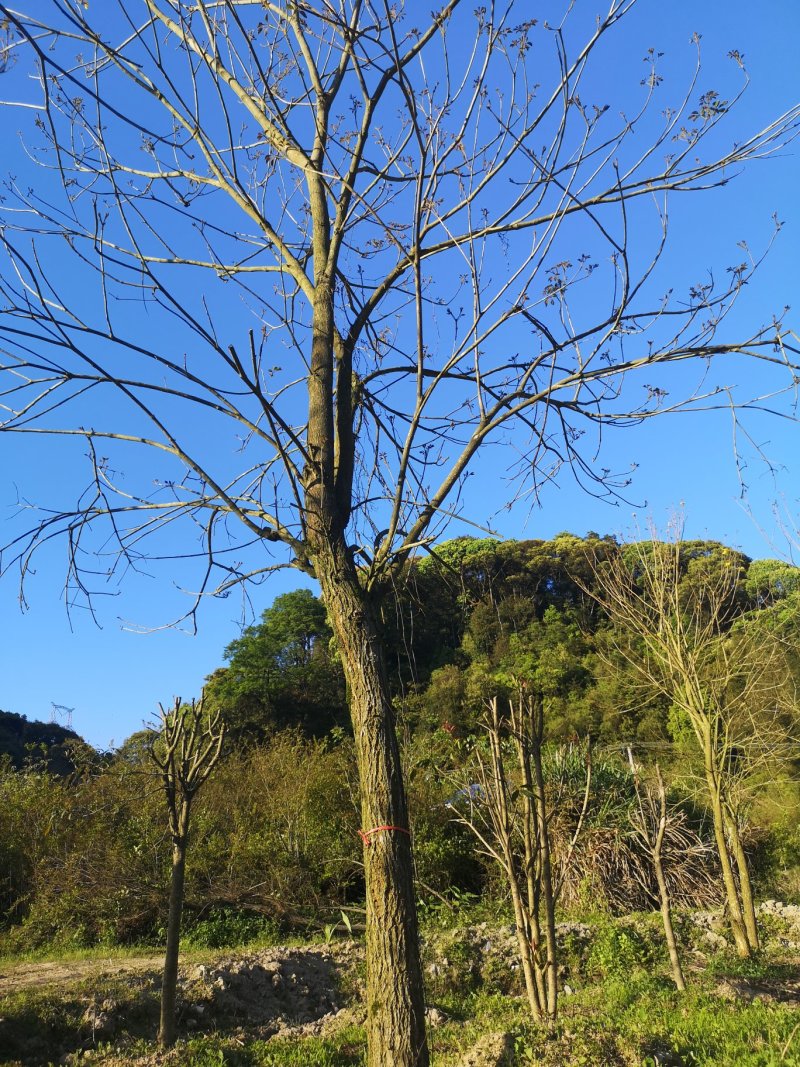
531, 934
527, 940
166, 1031
548, 894
738, 928
745, 884
525, 910
669, 929
663, 890
186, 750
395, 998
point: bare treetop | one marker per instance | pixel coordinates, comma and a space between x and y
354, 245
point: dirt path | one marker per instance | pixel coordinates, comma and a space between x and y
16, 976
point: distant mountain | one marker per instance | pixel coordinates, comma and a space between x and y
31, 741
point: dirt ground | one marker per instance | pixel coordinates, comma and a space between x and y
17, 976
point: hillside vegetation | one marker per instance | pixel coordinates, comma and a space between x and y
274, 849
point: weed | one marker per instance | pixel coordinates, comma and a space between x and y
227, 928
618, 949
347, 1048
330, 928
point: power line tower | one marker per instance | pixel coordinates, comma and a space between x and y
63, 713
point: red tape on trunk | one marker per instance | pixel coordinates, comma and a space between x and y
365, 834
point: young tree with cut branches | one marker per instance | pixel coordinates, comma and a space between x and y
185, 750
649, 821
508, 810
307, 261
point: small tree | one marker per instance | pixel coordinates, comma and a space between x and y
674, 625
507, 810
649, 820
185, 751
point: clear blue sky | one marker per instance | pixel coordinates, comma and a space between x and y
115, 677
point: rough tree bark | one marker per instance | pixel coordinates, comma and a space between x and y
395, 998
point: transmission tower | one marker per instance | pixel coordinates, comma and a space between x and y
60, 711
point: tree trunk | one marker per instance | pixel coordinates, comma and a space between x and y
547, 892
745, 885
395, 999
729, 879
669, 929
526, 912
528, 943
663, 890
166, 1031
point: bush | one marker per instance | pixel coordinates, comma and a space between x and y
85, 860
275, 828
227, 928
618, 950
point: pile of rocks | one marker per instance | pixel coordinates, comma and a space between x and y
277, 989
712, 928
783, 925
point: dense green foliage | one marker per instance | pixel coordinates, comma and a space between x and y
24, 741
88, 856
281, 672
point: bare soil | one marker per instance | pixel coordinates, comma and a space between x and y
18, 976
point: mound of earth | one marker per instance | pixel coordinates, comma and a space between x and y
271, 990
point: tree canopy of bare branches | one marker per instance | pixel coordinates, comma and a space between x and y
284, 270
720, 678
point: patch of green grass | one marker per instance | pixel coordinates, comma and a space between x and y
34, 1024
61, 954
39, 1026
632, 1016
345, 1048
762, 965
461, 909
228, 928
470, 1018
652, 1023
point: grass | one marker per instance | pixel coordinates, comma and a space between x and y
72, 954
41, 1025
347, 1048
191, 950
625, 1011
641, 1020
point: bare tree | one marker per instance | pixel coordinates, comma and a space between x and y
506, 808
315, 256
650, 819
681, 641
185, 750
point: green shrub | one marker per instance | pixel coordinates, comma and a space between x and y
618, 950
228, 928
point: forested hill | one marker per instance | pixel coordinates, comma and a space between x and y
476, 612
32, 741
465, 619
